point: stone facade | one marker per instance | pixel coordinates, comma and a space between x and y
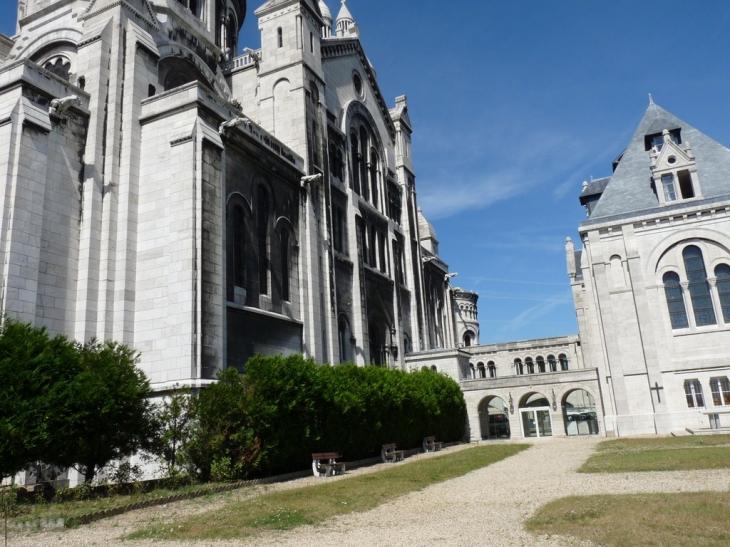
203, 206
652, 282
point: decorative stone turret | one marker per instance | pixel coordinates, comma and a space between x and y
327, 18
346, 26
466, 317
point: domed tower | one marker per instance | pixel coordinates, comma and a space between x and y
327, 19
345, 24
465, 317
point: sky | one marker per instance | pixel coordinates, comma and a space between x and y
514, 104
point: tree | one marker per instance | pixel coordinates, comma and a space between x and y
224, 446
103, 413
175, 417
31, 365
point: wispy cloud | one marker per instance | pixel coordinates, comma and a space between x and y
493, 167
532, 314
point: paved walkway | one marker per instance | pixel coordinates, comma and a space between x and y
485, 507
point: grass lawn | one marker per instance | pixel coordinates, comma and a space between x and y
288, 509
66, 509
699, 519
660, 454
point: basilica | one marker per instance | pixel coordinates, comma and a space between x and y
203, 202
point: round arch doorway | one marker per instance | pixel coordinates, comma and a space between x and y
579, 413
535, 416
494, 418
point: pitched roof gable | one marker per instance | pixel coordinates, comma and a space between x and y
630, 188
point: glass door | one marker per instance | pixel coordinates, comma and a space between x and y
536, 423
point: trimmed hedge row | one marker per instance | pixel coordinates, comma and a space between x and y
295, 407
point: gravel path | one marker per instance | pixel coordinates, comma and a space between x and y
487, 506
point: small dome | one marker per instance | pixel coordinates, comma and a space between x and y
326, 13
344, 14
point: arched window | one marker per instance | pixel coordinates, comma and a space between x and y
471, 369
279, 37
675, 301
333, 160
433, 368
699, 289
343, 333
262, 236
563, 361
481, 370
492, 368
355, 162
518, 367
362, 153
374, 161
467, 339
530, 365
722, 273
720, 388
285, 264
552, 363
540, 364
239, 247
693, 391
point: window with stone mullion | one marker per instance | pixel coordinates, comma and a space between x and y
693, 392
722, 273
720, 391
699, 288
675, 301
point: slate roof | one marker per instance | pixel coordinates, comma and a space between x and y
593, 188
629, 190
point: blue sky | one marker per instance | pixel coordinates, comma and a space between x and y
514, 104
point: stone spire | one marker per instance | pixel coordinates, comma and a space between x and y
346, 26
327, 18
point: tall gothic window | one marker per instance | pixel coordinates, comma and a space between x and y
355, 162
285, 264
720, 391
699, 288
362, 154
239, 247
374, 161
693, 392
262, 235
722, 273
675, 301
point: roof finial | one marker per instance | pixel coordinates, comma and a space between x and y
651, 100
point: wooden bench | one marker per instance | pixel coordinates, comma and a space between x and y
390, 455
431, 445
324, 464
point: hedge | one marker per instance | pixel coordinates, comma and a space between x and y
295, 407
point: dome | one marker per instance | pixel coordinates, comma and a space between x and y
326, 13
344, 14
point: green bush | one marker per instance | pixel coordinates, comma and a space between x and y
297, 407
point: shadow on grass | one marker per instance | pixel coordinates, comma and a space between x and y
288, 509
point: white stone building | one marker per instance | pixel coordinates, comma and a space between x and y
652, 282
652, 295
203, 206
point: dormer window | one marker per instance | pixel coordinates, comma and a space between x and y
674, 168
670, 193
656, 140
